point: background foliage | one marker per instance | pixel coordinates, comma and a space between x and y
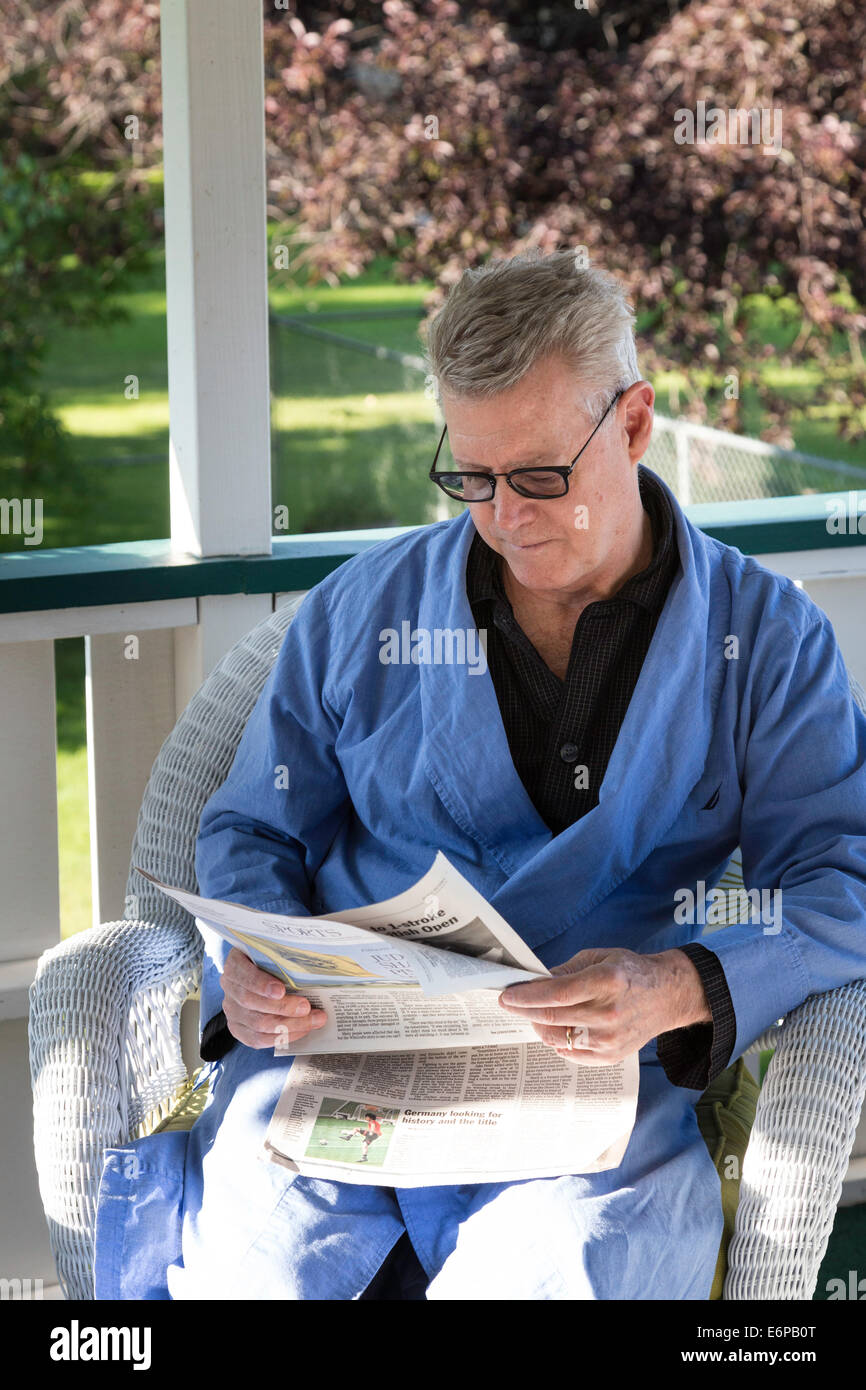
555, 128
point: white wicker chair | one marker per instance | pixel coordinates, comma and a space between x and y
106, 1061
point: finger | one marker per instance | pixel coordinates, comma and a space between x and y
587, 1059
243, 972
292, 1032
561, 991
591, 955
556, 1017
289, 1006
269, 1025
582, 1038
251, 1038
557, 992
590, 1048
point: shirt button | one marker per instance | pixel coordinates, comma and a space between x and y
569, 752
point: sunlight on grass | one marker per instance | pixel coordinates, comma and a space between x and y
788, 378
74, 841
72, 815
109, 418
358, 296
353, 412
143, 304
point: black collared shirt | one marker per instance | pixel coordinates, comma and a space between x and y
561, 733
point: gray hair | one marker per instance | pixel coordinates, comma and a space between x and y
501, 318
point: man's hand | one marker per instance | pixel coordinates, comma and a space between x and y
258, 1010
614, 1001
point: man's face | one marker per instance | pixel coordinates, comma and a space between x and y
558, 543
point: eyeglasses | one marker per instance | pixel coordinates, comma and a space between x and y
528, 482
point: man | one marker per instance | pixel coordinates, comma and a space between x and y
652, 699
370, 1134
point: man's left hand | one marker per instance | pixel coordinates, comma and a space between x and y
614, 1000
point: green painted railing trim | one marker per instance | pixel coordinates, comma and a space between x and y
146, 571
141, 571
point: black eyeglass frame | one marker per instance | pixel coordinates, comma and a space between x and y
564, 471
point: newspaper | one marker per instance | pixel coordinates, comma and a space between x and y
466, 1115
374, 972
419, 1077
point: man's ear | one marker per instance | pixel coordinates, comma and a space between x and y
638, 418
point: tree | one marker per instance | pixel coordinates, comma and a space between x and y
65, 250
440, 134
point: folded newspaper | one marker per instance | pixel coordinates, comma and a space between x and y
418, 1076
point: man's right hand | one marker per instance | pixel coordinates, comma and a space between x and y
258, 1010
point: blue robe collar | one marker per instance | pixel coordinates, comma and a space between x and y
659, 756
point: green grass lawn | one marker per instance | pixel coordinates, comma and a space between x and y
349, 432
73, 828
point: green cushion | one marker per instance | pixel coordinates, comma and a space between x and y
188, 1105
726, 1113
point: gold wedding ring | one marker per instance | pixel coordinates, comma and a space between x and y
569, 1039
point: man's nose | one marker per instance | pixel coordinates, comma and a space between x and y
509, 508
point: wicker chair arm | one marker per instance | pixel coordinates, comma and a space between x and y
105, 1063
806, 1120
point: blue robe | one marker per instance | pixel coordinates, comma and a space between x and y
760, 746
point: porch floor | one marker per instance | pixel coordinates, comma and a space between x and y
846, 1250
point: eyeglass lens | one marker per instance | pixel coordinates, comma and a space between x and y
538, 483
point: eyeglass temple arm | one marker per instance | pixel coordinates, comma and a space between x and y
610, 404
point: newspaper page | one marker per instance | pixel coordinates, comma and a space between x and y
464, 1115
424, 967
477, 1099
442, 910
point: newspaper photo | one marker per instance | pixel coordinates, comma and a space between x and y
481, 1114
423, 968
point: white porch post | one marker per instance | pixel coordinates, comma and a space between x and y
216, 287
30, 909
684, 476
216, 275
130, 710
219, 402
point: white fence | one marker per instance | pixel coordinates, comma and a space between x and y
700, 464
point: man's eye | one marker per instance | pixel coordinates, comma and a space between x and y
542, 479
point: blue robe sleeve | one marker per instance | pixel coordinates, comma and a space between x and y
264, 833
802, 829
